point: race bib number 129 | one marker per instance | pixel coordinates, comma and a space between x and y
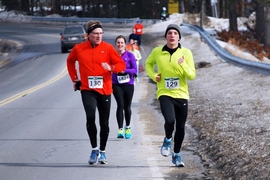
95, 82
172, 83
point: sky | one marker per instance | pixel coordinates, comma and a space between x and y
216, 24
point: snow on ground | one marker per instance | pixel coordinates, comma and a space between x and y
11, 16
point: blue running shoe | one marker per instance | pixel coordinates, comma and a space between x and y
128, 133
166, 147
177, 160
94, 157
102, 158
120, 133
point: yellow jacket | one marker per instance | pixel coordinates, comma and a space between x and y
173, 76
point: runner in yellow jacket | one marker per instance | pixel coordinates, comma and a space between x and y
175, 66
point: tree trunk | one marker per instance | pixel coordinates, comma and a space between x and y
188, 6
25, 6
223, 9
260, 23
267, 26
182, 7
32, 7
202, 14
232, 16
83, 8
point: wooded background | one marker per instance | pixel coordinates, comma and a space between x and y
150, 9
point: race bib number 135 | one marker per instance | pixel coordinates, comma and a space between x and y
172, 83
95, 82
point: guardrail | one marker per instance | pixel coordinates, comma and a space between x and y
114, 21
223, 53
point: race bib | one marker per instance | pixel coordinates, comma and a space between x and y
95, 82
123, 78
172, 83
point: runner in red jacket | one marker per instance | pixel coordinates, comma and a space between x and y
96, 61
139, 29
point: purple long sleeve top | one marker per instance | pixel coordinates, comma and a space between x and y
131, 68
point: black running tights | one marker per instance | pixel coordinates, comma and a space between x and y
174, 111
91, 100
123, 95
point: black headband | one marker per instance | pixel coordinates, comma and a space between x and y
90, 29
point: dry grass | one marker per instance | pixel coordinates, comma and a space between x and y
245, 41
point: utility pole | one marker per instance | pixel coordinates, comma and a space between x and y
214, 8
202, 14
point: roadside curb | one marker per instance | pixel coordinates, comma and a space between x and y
8, 50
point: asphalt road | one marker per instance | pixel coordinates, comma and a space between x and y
42, 121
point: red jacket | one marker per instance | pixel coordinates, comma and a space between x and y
89, 62
139, 28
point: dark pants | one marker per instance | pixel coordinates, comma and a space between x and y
123, 95
175, 113
91, 100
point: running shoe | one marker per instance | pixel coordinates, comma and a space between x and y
128, 133
166, 147
177, 160
120, 133
94, 157
102, 159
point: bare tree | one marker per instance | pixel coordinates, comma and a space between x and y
32, 7
188, 6
25, 6
267, 26
260, 26
223, 9
83, 7
232, 15
11, 4
56, 7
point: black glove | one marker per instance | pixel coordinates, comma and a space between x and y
77, 85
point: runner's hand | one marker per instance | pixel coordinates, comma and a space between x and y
181, 60
106, 66
158, 77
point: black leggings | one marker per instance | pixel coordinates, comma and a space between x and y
91, 100
123, 95
174, 110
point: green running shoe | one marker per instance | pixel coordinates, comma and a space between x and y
128, 133
120, 133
